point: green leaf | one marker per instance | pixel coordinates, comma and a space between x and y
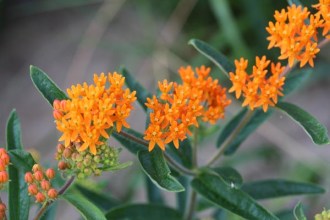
230, 175
285, 214
182, 197
317, 132
216, 190
118, 166
212, 54
18, 199
21, 160
141, 93
154, 165
295, 2
154, 194
266, 189
50, 213
48, 89
142, 212
183, 155
294, 80
100, 199
299, 212
87, 209
129, 144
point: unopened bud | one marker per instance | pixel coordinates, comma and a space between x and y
60, 148
62, 165
63, 104
57, 114
38, 175
87, 161
40, 197
97, 159
33, 189
50, 173
97, 172
87, 172
29, 177
2, 151
3, 176
81, 176
56, 104
67, 153
36, 167
2, 166
5, 158
45, 185
52, 193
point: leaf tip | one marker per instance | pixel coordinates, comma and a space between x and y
191, 41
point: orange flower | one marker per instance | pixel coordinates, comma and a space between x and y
295, 33
323, 8
180, 105
92, 109
260, 88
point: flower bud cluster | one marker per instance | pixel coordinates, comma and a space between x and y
4, 162
39, 184
84, 163
324, 215
3, 209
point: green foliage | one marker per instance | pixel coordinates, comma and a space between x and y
154, 165
100, 199
266, 189
299, 212
141, 93
131, 145
142, 212
216, 190
229, 175
215, 56
48, 89
86, 208
18, 201
317, 132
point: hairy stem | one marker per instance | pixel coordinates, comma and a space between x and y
230, 138
60, 192
178, 167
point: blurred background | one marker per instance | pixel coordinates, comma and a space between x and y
71, 40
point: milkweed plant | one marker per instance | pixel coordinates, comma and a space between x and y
89, 116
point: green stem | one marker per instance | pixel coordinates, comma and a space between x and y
230, 138
192, 205
173, 163
60, 192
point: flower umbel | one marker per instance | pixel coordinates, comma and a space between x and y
295, 33
179, 106
261, 88
4, 162
83, 163
324, 215
92, 109
39, 184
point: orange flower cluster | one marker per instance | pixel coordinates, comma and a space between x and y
4, 162
323, 8
260, 88
295, 33
180, 105
92, 109
39, 184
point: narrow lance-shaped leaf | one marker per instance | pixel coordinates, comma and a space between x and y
298, 212
100, 199
266, 189
317, 132
87, 209
48, 89
212, 54
293, 81
18, 201
216, 190
229, 175
154, 194
154, 165
141, 93
143, 211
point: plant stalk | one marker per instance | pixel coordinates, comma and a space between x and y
231, 137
